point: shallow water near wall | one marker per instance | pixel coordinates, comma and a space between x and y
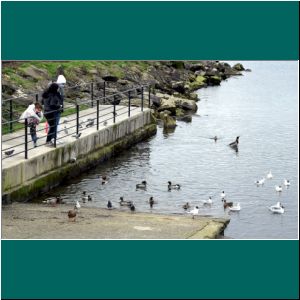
262, 108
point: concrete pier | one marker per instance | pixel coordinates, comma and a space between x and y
46, 167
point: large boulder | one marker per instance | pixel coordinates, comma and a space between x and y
169, 121
200, 82
168, 104
239, 67
178, 86
214, 80
35, 73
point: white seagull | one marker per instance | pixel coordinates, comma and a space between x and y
209, 201
194, 211
223, 195
286, 182
235, 207
77, 205
269, 175
278, 188
260, 182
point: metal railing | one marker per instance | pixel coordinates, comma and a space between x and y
110, 112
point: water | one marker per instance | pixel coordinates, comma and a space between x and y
262, 108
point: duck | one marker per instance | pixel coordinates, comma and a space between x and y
173, 186
223, 195
235, 207
227, 204
132, 207
235, 143
278, 208
142, 185
109, 204
72, 214
186, 206
209, 201
286, 182
269, 175
151, 202
86, 197
261, 181
278, 188
104, 180
53, 201
9, 152
124, 203
194, 211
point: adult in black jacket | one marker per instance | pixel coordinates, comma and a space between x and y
52, 102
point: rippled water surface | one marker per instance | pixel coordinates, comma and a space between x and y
262, 108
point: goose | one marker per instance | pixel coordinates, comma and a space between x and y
278, 188
278, 208
286, 182
142, 185
72, 214
235, 143
173, 186
124, 203
209, 201
109, 204
223, 195
186, 206
227, 204
235, 207
260, 182
77, 205
270, 175
194, 211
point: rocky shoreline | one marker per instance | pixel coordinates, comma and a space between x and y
173, 83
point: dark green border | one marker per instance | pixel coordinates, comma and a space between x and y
150, 269
150, 30
144, 31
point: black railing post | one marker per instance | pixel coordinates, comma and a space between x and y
114, 112
104, 92
92, 93
36, 98
10, 116
26, 138
77, 118
129, 103
97, 114
149, 96
142, 98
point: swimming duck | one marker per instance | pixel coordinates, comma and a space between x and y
186, 206
209, 201
270, 175
278, 208
227, 204
104, 180
142, 185
109, 204
53, 201
85, 197
194, 211
132, 207
223, 195
124, 203
151, 202
235, 143
72, 214
286, 182
173, 186
278, 188
260, 182
235, 207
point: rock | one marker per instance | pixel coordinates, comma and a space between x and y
169, 121
110, 78
248, 70
214, 80
93, 72
194, 97
177, 64
35, 73
179, 112
178, 86
168, 104
186, 118
198, 83
156, 101
189, 105
163, 113
124, 82
196, 67
238, 67
200, 73
8, 87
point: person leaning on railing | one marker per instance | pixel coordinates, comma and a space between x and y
51, 99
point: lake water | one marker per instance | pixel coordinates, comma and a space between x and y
262, 108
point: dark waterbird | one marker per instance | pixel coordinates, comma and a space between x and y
9, 152
142, 185
132, 207
109, 204
173, 186
234, 144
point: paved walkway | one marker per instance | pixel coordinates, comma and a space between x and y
67, 129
